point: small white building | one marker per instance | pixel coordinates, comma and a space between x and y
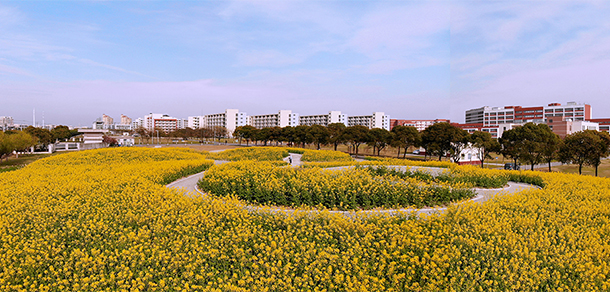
124, 140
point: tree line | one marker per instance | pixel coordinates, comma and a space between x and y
528, 144
21, 141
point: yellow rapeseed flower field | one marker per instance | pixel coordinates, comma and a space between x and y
102, 220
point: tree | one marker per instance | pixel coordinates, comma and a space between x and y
319, 135
264, 135
246, 132
43, 136
302, 135
21, 141
288, 135
61, 133
533, 141
579, 148
356, 135
551, 149
485, 145
379, 139
109, 141
602, 149
144, 133
6, 146
405, 136
511, 144
444, 138
219, 132
335, 131
275, 134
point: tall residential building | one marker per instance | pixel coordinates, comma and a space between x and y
539, 114
6, 123
230, 119
138, 123
107, 120
376, 120
125, 120
161, 121
281, 119
420, 125
323, 120
196, 122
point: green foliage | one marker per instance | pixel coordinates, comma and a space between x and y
344, 189
325, 155
251, 153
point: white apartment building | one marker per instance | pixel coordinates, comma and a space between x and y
6, 123
376, 120
323, 120
196, 122
125, 120
138, 123
281, 119
230, 120
107, 120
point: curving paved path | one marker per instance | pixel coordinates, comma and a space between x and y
189, 184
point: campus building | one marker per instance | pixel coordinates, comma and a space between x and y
420, 125
107, 120
281, 119
125, 120
537, 114
604, 124
495, 130
6, 123
230, 119
161, 121
196, 122
324, 120
565, 126
376, 120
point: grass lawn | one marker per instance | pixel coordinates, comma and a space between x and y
24, 159
604, 169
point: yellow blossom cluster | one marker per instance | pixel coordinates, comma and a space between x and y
101, 220
325, 155
345, 189
251, 153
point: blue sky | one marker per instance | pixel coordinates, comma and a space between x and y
76, 60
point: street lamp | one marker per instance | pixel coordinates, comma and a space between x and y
158, 142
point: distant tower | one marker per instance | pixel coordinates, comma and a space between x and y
34, 117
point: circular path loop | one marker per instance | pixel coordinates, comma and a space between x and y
189, 184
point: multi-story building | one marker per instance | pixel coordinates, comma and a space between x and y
323, 120
6, 123
125, 120
281, 119
196, 122
566, 126
376, 120
604, 124
230, 119
138, 123
495, 130
420, 125
161, 121
538, 114
107, 120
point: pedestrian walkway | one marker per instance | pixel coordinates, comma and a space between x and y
293, 159
189, 184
